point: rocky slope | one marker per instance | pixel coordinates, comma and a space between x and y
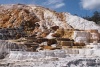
39, 20
18, 20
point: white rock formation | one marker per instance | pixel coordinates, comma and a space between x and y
80, 23
81, 36
49, 18
55, 58
50, 36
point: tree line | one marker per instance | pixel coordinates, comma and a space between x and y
95, 17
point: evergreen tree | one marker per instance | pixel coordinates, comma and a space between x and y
95, 17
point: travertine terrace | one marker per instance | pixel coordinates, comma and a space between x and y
34, 36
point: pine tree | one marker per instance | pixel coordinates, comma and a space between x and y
96, 16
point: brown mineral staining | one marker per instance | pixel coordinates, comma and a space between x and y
15, 16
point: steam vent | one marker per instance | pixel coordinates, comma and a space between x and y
34, 36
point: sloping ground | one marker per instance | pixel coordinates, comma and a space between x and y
25, 16
50, 18
80, 23
14, 16
33, 19
36, 20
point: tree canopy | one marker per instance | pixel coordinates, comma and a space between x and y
95, 17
